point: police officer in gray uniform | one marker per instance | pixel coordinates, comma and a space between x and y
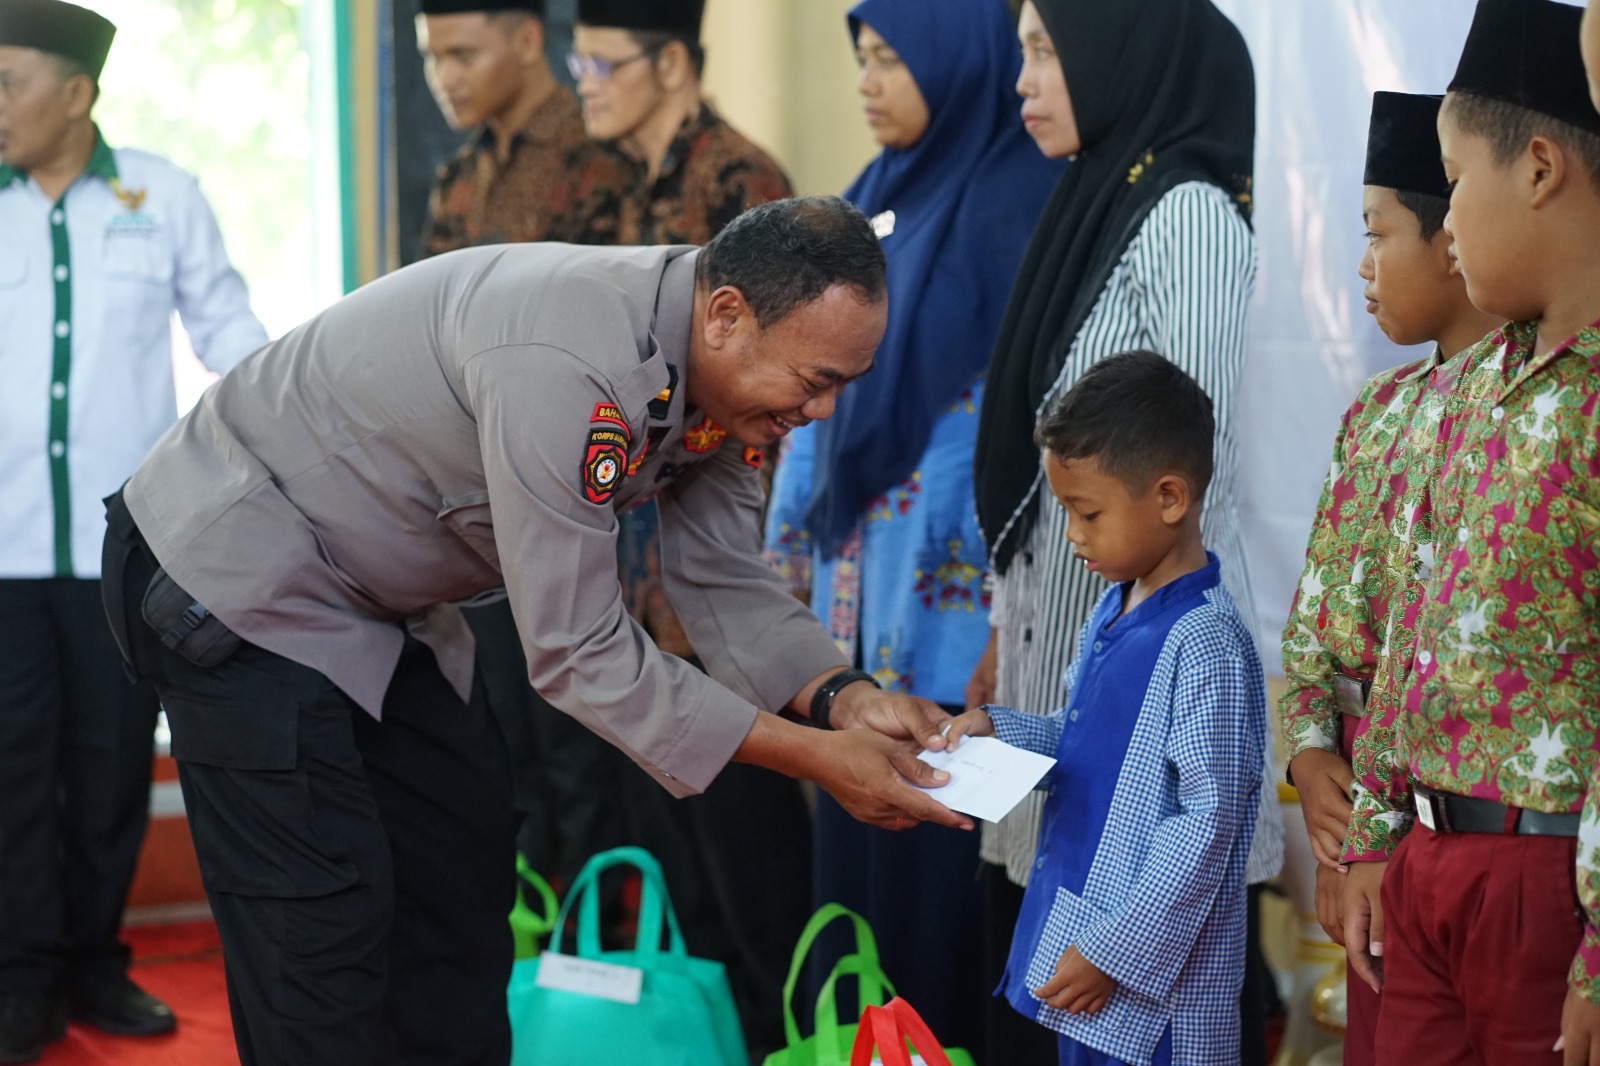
285, 566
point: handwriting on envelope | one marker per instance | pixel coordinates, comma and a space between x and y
988, 777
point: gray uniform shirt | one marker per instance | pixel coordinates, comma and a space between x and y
458, 426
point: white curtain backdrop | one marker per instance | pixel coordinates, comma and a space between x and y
1317, 64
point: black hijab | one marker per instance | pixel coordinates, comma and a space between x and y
1163, 93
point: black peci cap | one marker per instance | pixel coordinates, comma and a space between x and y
492, 7
679, 17
1525, 52
62, 29
1403, 144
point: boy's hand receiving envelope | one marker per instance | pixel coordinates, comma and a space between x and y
988, 777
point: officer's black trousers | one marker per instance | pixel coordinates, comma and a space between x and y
75, 750
360, 872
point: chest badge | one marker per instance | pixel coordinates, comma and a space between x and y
132, 199
704, 437
754, 457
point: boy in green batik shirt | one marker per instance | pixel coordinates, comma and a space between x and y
1485, 957
1372, 540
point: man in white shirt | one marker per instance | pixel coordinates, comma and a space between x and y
101, 245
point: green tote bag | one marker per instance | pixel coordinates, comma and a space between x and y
829, 1043
528, 926
832, 1043
683, 1014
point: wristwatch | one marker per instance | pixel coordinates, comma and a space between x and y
822, 699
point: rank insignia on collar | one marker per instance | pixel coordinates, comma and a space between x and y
754, 457
704, 437
662, 404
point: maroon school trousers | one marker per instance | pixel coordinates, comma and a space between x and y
1479, 931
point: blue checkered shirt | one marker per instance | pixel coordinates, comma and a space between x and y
1147, 824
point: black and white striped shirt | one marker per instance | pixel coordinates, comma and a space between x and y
1181, 289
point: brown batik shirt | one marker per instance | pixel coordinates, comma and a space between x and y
711, 175
478, 198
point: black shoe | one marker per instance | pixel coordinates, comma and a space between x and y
27, 1023
120, 1007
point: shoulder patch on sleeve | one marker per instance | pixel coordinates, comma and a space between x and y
604, 462
610, 412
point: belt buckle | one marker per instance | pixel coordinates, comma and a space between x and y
1350, 694
1430, 812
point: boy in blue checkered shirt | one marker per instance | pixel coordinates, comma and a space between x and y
1131, 939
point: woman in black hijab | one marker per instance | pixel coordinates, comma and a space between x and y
1147, 246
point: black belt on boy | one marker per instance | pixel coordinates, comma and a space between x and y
1445, 812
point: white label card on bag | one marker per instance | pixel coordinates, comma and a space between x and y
589, 977
916, 1060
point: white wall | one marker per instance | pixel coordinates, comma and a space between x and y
1317, 64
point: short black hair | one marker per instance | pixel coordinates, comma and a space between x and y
68, 68
508, 20
652, 42
1140, 416
1509, 127
787, 253
1430, 210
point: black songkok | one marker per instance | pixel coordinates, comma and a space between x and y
677, 17
488, 7
1403, 144
1525, 52
61, 29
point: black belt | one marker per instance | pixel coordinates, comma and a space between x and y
1445, 812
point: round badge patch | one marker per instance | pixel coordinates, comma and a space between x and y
602, 471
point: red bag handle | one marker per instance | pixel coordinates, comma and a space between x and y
888, 1027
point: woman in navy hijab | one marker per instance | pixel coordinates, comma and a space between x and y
873, 512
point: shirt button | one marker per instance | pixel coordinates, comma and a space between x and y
1073, 714
59, 389
61, 272
1424, 657
1038, 864
57, 449
1461, 535
57, 217
1097, 645
63, 328
1498, 413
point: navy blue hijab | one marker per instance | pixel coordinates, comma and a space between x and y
965, 198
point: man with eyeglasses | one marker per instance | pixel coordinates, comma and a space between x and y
682, 172
679, 176
512, 181
485, 62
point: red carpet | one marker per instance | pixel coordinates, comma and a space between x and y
182, 965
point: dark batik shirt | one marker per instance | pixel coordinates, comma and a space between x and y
711, 175
479, 199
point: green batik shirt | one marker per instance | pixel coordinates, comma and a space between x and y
1504, 700
1369, 539
1462, 384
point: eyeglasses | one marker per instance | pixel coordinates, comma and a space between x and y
580, 65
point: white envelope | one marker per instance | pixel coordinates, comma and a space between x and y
988, 777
